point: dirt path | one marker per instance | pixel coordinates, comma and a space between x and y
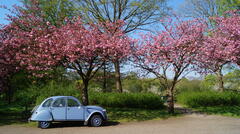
188, 124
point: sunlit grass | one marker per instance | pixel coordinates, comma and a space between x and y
130, 114
231, 111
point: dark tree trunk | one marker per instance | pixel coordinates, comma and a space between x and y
220, 80
104, 78
170, 100
9, 94
118, 76
83, 87
85, 100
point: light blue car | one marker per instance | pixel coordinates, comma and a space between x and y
67, 108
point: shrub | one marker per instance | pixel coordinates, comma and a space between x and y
208, 98
117, 100
127, 100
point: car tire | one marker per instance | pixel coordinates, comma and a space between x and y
96, 121
44, 124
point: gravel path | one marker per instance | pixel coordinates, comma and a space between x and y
188, 124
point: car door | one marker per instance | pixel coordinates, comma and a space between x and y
74, 110
59, 109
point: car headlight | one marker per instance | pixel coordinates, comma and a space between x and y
104, 110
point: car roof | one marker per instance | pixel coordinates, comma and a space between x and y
56, 97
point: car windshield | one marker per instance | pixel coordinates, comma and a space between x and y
47, 103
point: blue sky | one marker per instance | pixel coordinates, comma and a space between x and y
9, 3
3, 12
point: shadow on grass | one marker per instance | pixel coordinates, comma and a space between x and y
80, 124
12, 114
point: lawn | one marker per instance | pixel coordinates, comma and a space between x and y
232, 111
13, 114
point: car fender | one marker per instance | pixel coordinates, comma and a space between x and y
92, 113
43, 115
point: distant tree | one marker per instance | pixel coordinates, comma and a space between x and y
228, 5
53, 11
232, 80
200, 8
209, 82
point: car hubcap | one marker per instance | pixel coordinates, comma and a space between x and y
44, 124
97, 121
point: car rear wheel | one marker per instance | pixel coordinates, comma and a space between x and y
44, 124
96, 120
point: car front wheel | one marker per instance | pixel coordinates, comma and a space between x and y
96, 120
44, 124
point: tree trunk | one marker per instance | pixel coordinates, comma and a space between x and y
9, 94
104, 78
220, 80
83, 87
85, 100
170, 100
118, 76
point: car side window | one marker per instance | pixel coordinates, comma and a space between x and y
72, 103
59, 103
47, 103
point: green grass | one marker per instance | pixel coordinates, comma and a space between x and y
13, 115
133, 114
231, 111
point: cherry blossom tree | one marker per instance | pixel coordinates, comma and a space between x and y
172, 50
221, 45
86, 49
39, 46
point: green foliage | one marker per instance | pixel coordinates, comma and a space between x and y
134, 84
127, 100
209, 82
54, 88
186, 85
55, 11
208, 98
226, 5
233, 80
97, 81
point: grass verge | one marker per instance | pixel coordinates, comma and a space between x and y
230, 111
132, 114
13, 115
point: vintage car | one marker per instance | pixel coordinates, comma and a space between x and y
67, 108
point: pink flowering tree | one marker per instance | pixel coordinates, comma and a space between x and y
7, 65
170, 51
86, 49
39, 46
221, 46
